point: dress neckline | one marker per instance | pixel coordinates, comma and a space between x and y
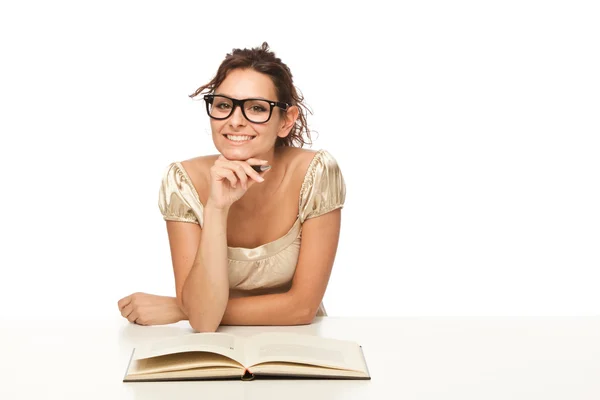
261, 250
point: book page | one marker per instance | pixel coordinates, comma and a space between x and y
304, 349
181, 362
294, 369
188, 374
215, 342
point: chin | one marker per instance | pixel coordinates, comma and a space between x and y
237, 154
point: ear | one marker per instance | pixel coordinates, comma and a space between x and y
288, 121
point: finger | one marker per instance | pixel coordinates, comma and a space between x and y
133, 316
257, 161
127, 310
123, 302
255, 175
251, 172
239, 170
261, 176
224, 173
256, 164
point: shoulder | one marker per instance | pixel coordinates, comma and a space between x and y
299, 160
322, 187
314, 162
179, 197
199, 166
304, 162
198, 171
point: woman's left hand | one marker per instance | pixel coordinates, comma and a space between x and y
150, 309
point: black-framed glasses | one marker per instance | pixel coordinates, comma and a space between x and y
257, 111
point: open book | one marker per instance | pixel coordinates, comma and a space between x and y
219, 355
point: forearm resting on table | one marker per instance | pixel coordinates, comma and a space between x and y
205, 294
268, 309
206, 289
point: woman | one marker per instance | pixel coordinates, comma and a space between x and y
248, 247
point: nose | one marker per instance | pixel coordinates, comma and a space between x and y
236, 118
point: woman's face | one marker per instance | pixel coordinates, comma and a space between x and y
243, 84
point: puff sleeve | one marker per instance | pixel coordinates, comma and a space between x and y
323, 189
177, 198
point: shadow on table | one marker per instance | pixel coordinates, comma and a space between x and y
257, 389
133, 333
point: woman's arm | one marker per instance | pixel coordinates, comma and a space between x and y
320, 237
203, 285
206, 289
268, 309
188, 244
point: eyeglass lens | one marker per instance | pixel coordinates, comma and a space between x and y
255, 110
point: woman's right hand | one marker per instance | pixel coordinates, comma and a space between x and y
229, 180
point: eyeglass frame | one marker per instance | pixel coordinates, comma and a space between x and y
209, 98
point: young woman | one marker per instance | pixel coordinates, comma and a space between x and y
249, 247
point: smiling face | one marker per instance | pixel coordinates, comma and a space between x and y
244, 84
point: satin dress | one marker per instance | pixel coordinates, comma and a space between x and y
268, 268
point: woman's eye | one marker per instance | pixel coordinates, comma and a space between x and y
222, 105
258, 109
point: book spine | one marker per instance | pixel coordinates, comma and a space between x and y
248, 376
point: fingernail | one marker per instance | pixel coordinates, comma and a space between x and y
264, 168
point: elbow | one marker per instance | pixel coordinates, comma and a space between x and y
201, 319
307, 317
203, 323
302, 311
201, 326
304, 315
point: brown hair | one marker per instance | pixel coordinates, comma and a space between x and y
262, 60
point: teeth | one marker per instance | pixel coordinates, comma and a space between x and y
238, 138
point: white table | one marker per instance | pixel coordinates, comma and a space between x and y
408, 358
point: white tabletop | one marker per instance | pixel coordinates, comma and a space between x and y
408, 358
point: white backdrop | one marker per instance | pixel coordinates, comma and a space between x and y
467, 133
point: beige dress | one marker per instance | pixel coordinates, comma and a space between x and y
268, 268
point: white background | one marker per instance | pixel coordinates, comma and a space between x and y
467, 133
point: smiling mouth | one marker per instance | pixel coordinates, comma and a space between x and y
239, 138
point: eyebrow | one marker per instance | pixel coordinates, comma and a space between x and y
254, 97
